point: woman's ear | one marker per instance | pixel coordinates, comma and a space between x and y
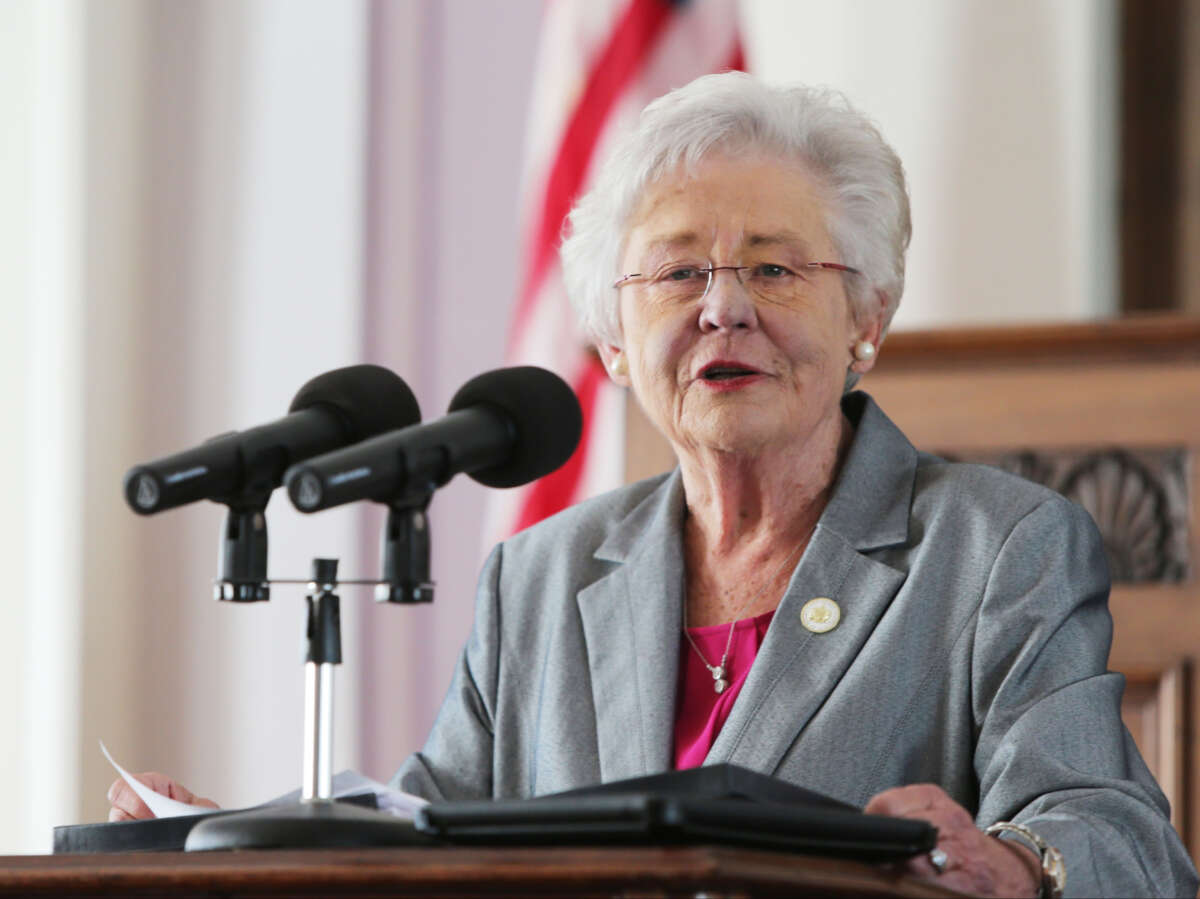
868, 335
615, 362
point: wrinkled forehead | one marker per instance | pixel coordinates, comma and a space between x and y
683, 243
726, 204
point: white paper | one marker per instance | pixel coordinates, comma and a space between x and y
345, 783
394, 802
162, 806
351, 783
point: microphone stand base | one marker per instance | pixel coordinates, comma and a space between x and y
306, 825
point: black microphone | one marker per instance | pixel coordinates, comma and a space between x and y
504, 428
332, 410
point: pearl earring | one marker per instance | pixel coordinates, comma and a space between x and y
864, 351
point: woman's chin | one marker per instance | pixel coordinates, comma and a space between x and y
744, 431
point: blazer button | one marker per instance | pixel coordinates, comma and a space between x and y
820, 615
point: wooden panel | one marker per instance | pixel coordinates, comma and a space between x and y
1151, 69
1189, 226
1149, 338
1156, 709
1088, 405
492, 872
1154, 626
1160, 145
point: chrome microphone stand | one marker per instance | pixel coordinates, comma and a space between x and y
317, 820
324, 638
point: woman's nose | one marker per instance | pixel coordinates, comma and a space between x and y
727, 305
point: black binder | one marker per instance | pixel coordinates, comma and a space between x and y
149, 835
723, 804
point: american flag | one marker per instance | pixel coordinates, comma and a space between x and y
599, 63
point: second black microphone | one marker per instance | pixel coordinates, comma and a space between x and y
504, 428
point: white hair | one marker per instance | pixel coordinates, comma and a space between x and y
869, 220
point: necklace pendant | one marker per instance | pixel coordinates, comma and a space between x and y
719, 682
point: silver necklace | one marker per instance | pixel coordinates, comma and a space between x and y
718, 672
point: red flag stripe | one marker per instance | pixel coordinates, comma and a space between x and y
627, 49
555, 491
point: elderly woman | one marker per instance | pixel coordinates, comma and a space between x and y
807, 595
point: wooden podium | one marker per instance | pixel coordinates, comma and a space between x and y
630, 872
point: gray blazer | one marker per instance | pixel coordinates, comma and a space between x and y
971, 653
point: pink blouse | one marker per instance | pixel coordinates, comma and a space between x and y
700, 711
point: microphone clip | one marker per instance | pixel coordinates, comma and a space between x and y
405, 551
243, 575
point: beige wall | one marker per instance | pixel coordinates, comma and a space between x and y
187, 233
1004, 116
41, 275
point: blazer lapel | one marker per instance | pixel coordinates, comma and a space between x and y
631, 625
632, 617
795, 669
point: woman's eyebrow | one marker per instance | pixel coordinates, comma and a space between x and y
681, 240
788, 239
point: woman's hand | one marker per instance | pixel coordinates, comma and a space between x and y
128, 806
975, 862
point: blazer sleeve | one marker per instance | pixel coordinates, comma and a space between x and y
1052, 752
456, 761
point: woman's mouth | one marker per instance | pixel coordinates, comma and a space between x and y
727, 374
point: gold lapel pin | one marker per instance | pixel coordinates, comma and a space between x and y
820, 615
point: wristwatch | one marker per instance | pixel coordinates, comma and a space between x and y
1054, 871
